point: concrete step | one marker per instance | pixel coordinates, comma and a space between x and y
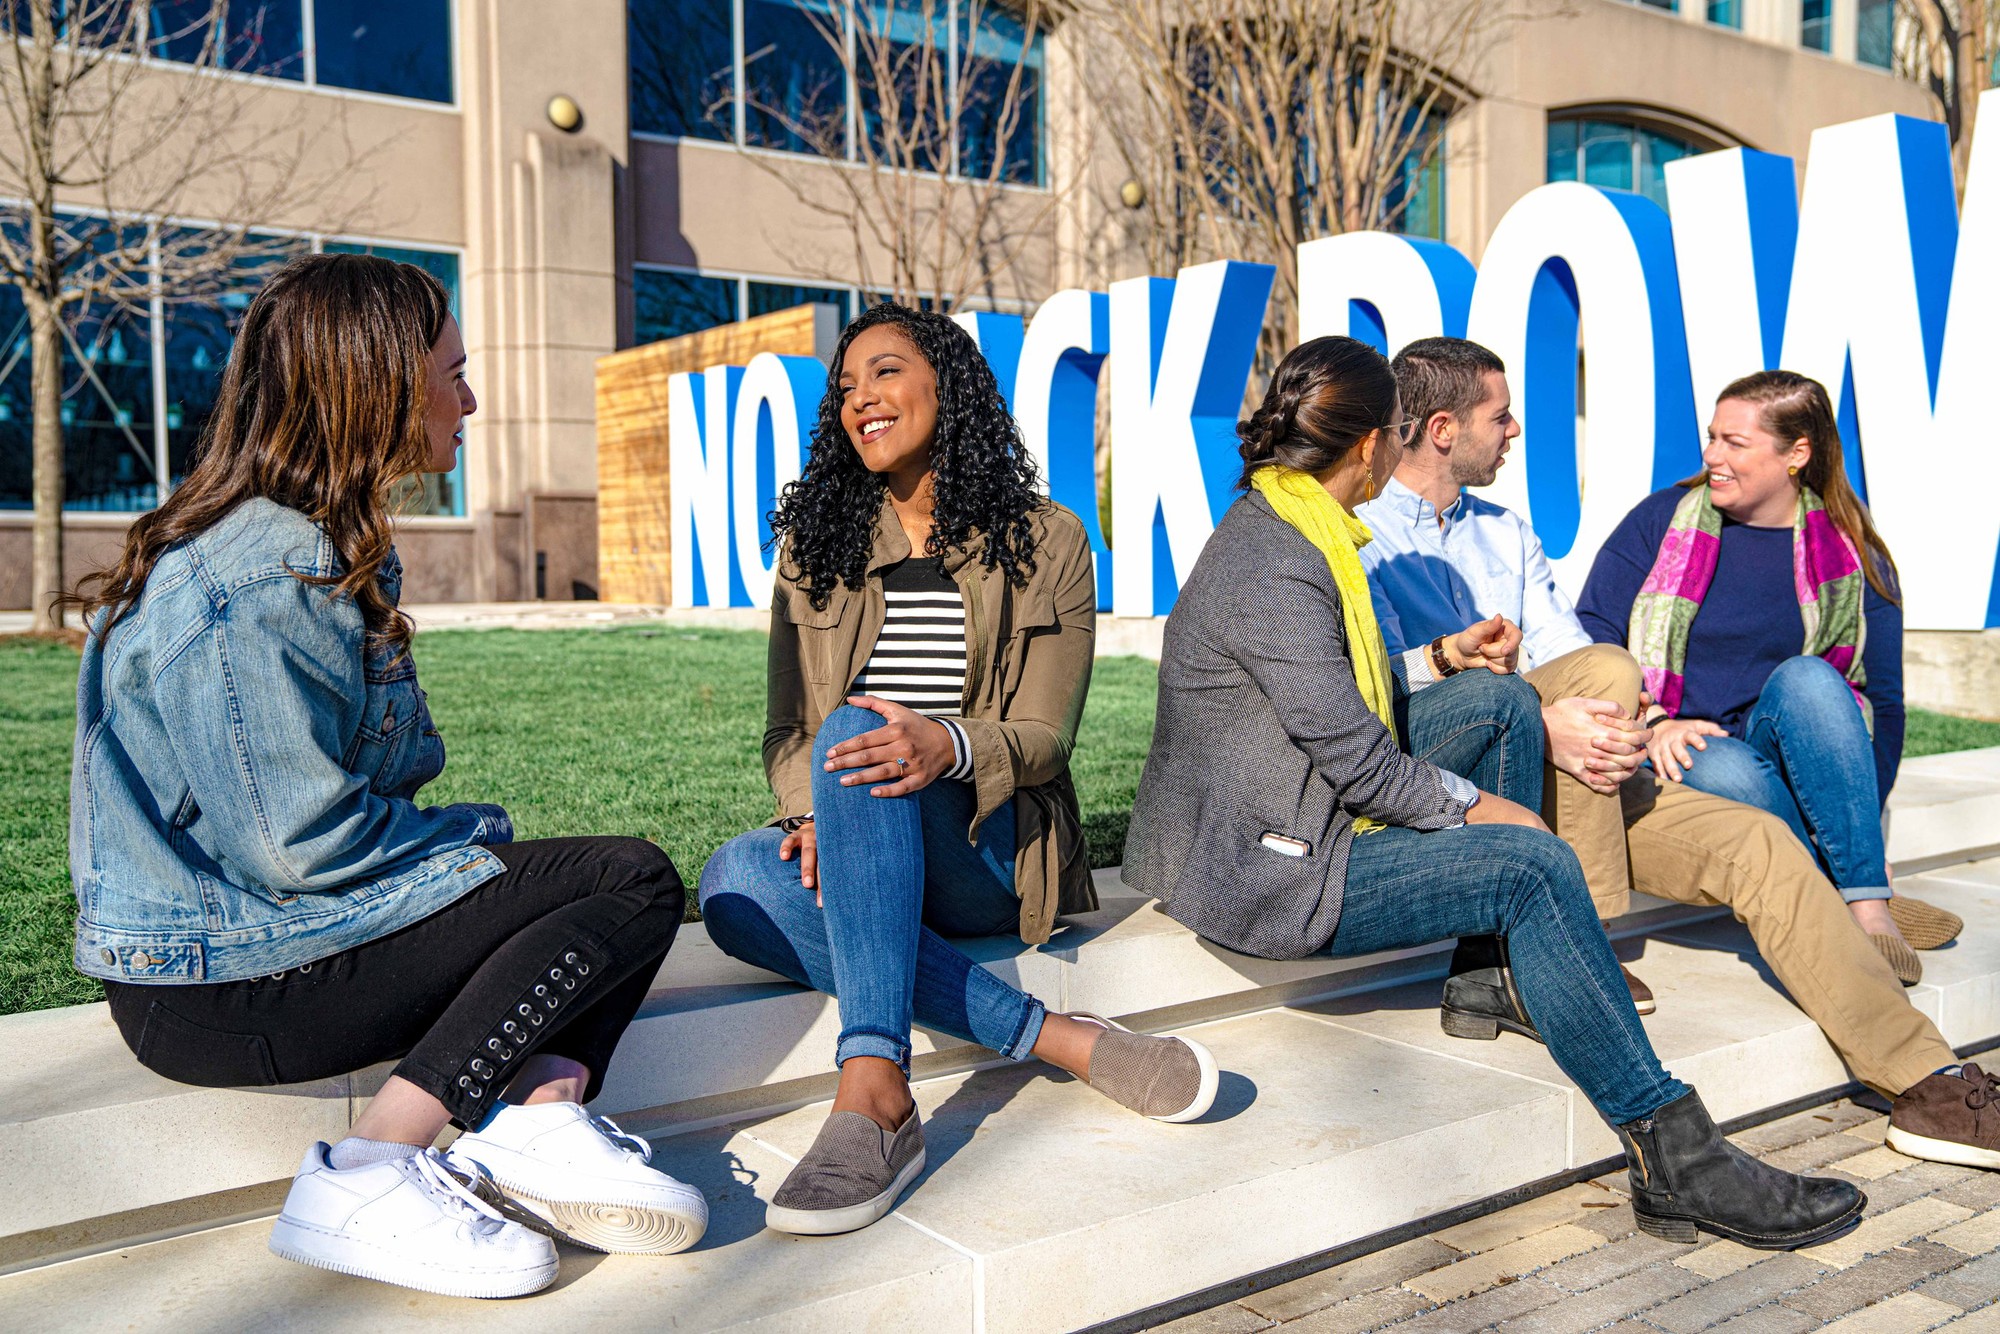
716, 1041
1046, 1207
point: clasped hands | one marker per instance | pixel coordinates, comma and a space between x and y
923, 745
1592, 740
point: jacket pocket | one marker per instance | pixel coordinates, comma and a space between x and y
389, 719
190, 1054
1033, 615
820, 640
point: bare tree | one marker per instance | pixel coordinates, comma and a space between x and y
929, 113
1249, 126
118, 120
1950, 47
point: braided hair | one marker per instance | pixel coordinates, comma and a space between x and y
1326, 396
984, 482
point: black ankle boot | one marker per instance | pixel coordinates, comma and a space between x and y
1686, 1176
1479, 996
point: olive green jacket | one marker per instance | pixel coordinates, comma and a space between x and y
1027, 669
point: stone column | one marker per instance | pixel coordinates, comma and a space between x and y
540, 280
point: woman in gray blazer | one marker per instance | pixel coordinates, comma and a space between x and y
1294, 804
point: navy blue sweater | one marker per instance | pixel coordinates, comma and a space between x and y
1747, 625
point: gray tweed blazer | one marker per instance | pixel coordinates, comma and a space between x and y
1262, 730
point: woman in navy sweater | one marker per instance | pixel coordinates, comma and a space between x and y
1762, 606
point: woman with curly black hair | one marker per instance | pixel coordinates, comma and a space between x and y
931, 633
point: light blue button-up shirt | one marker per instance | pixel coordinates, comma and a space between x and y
1432, 578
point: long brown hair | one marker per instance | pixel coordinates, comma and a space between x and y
321, 409
1796, 407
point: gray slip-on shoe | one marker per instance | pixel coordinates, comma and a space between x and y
850, 1177
1166, 1078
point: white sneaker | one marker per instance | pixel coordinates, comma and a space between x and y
585, 1180
408, 1221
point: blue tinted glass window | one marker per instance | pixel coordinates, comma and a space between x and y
996, 56
682, 70
16, 446
1875, 33
107, 412
1615, 156
437, 493
1562, 150
1415, 202
398, 47
1816, 25
902, 56
794, 83
667, 304
768, 297
264, 37
1726, 13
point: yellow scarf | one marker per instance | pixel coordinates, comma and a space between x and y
1303, 503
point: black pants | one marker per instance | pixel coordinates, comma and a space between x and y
556, 955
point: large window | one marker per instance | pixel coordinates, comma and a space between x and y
401, 48
670, 302
770, 74
1816, 25
1618, 155
141, 382
1726, 13
1875, 33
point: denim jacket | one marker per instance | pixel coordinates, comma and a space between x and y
241, 795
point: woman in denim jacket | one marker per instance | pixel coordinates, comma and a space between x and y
262, 895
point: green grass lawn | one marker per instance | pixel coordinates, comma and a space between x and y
653, 732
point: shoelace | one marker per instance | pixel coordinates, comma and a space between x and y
1985, 1088
441, 1180
624, 1139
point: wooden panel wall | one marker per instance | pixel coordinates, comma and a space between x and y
634, 523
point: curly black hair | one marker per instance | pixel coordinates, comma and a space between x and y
984, 482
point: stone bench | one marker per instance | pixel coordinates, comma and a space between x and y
94, 1149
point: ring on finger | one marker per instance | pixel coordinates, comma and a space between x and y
902, 763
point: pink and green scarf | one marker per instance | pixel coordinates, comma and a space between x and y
1826, 574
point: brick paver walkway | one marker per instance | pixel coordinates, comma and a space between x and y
1927, 1254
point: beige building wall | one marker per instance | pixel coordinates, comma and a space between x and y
549, 225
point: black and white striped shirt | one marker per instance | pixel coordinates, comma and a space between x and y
919, 659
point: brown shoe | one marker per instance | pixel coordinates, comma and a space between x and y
1949, 1119
1642, 995
1925, 926
1903, 960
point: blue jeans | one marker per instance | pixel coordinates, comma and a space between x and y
1407, 888
897, 875
1805, 756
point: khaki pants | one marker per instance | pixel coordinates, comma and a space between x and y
1675, 843
1590, 822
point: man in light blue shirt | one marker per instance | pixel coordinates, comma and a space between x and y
1443, 558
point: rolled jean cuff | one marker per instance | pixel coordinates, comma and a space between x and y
863, 1043
1862, 893
1029, 1033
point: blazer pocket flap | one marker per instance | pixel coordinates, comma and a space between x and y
1035, 609
799, 609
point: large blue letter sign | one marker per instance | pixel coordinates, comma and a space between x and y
1569, 254
699, 410
1180, 357
1871, 283
1384, 289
